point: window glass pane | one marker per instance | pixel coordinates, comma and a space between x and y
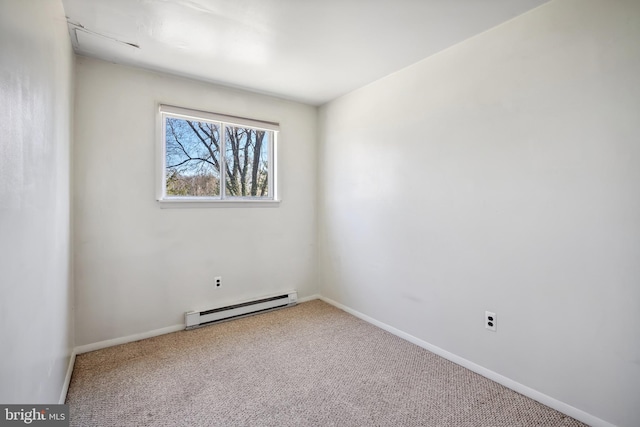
247, 162
193, 158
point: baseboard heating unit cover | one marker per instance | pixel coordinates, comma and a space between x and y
195, 319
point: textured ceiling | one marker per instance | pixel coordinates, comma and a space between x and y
305, 50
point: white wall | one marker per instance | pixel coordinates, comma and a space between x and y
501, 174
36, 70
139, 267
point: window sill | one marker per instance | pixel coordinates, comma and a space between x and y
208, 203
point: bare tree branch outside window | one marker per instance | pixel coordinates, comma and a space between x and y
193, 159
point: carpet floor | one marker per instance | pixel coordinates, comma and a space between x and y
308, 365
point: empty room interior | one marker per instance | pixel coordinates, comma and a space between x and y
362, 212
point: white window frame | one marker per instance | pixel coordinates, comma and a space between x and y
165, 201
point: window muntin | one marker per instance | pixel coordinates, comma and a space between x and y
209, 157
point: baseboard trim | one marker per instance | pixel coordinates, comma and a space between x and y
67, 378
156, 332
309, 298
494, 376
129, 338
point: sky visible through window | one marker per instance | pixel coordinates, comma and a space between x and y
194, 161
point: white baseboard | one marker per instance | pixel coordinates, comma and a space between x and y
67, 378
500, 379
309, 298
130, 338
137, 337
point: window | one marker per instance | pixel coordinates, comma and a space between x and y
213, 159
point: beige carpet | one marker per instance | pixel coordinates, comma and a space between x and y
309, 365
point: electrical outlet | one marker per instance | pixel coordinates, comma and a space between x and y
490, 321
218, 281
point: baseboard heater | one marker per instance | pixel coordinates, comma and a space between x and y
195, 319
